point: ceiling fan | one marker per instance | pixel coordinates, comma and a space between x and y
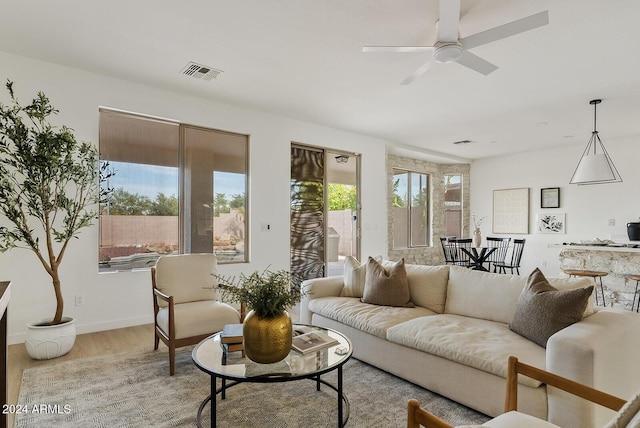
449, 47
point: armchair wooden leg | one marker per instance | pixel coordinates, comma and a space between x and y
172, 359
156, 341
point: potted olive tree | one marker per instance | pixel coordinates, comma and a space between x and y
49, 191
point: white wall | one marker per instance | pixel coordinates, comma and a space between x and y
124, 299
587, 208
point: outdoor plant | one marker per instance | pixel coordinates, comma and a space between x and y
267, 293
49, 185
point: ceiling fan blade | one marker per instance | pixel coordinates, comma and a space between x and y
476, 63
419, 72
506, 30
449, 22
400, 49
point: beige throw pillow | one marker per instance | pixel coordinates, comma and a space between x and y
387, 287
543, 310
354, 276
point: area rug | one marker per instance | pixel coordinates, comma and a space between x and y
135, 390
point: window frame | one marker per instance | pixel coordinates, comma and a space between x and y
186, 224
409, 208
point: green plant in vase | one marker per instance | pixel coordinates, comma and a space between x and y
267, 327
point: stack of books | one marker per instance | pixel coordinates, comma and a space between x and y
231, 340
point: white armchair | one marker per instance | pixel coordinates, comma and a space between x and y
186, 309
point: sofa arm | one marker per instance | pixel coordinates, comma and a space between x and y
316, 288
600, 351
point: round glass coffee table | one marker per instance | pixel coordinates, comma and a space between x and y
208, 356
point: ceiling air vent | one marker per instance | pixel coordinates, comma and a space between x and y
463, 142
200, 71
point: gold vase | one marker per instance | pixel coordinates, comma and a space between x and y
267, 340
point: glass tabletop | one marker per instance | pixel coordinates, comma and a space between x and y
208, 356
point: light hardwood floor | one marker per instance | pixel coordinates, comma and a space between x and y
86, 345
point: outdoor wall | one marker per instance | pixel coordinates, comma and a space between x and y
131, 230
343, 223
588, 209
123, 299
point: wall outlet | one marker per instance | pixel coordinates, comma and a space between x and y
612, 222
79, 300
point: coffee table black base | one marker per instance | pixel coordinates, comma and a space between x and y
343, 401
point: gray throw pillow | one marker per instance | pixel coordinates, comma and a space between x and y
543, 310
386, 287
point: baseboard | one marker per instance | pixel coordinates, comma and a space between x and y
81, 328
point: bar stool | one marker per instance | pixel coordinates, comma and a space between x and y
635, 278
593, 274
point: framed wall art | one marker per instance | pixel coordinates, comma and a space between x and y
551, 223
550, 197
511, 210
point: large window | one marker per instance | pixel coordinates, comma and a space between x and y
453, 205
411, 225
176, 189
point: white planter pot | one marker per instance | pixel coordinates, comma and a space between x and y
44, 342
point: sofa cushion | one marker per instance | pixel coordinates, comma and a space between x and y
428, 286
481, 344
196, 318
372, 319
543, 310
387, 287
354, 275
484, 295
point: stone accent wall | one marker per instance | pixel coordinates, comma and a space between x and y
432, 254
619, 292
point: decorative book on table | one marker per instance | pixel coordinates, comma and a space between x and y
312, 341
231, 333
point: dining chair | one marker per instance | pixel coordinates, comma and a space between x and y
516, 256
501, 246
447, 249
460, 258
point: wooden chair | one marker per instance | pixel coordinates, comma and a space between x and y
516, 256
185, 305
501, 246
416, 415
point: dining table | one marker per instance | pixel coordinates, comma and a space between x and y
478, 256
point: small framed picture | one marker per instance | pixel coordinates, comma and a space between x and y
551, 223
550, 197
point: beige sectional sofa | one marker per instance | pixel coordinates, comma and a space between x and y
456, 341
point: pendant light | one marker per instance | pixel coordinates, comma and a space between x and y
595, 166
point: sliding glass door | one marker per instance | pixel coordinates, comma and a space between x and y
324, 211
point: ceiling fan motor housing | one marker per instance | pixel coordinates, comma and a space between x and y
446, 52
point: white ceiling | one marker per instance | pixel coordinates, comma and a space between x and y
303, 59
